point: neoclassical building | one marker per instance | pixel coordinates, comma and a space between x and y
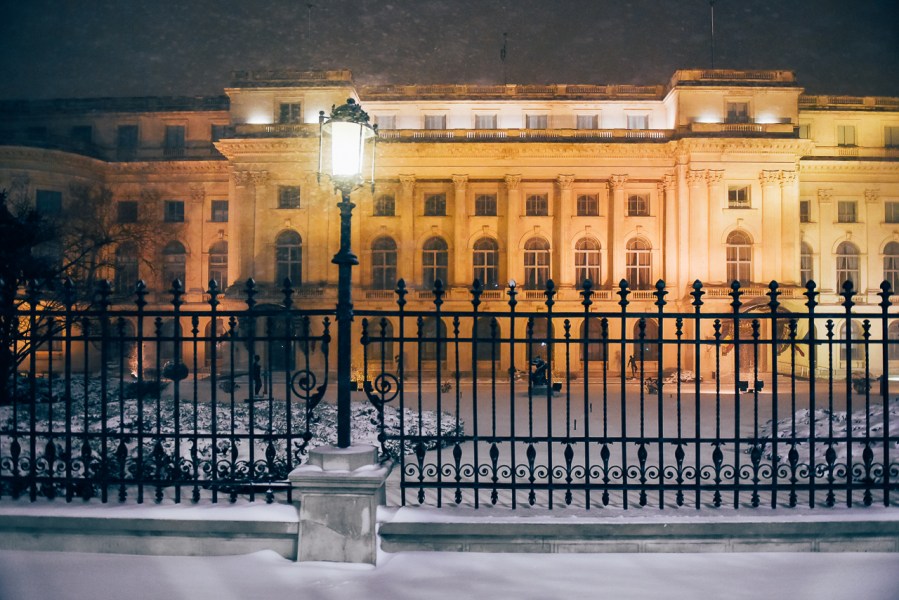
716, 175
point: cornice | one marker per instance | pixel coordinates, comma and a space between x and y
744, 145
171, 168
78, 161
826, 166
235, 148
538, 150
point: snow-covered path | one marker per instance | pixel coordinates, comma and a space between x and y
439, 576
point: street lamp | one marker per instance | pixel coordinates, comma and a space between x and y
343, 140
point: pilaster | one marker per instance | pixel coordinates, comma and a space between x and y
514, 267
772, 258
462, 269
562, 253
790, 235
405, 208
617, 242
669, 229
239, 210
698, 248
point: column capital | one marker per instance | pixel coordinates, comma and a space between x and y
241, 178
872, 195
823, 195
696, 177
512, 182
197, 193
767, 177
715, 177
260, 178
565, 181
617, 181
461, 182
668, 182
408, 183
787, 178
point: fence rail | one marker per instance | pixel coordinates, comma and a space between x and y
703, 402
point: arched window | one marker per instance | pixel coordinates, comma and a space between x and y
536, 263
638, 264
485, 259
806, 264
174, 260
591, 330
847, 265
126, 268
383, 263
218, 264
891, 265
385, 206
893, 340
434, 262
855, 341
380, 344
739, 257
433, 329
587, 262
649, 344
289, 258
488, 349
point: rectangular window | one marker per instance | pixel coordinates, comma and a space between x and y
847, 211
891, 136
435, 121
891, 212
638, 205
738, 196
485, 121
536, 121
126, 211
638, 121
537, 205
218, 132
289, 113
83, 134
587, 122
289, 196
126, 142
435, 205
846, 135
588, 205
485, 205
804, 131
174, 141
385, 121
805, 211
48, 202
174, 211
219, 211
737, 112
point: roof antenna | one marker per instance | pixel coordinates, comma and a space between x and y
502, 56
712, 11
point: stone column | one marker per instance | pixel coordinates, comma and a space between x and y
617, 211
717, 199
514, 266
337, 492
462, 269
771, 228
790, 238
256, 235
825, 275
405, 209
562, 253
195, 240
239, 210
670, 237
698, 247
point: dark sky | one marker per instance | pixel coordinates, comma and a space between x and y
83, 48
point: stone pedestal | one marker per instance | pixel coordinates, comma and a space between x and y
338, 492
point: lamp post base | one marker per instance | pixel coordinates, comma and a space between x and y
338, 492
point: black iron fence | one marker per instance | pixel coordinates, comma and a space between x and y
505, 397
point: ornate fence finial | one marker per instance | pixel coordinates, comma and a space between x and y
476, 290
287, 291
250, 292
214, 294
401, 292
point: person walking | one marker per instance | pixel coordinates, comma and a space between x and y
257, 375
633, 366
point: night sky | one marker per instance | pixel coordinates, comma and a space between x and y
72, 48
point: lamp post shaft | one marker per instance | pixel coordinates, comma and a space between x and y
345, 261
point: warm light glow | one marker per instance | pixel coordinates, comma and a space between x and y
346, 148
766, 119
259, 118
708, 118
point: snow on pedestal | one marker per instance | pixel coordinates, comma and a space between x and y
338, 491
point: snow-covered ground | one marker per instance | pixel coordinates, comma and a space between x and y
452, 576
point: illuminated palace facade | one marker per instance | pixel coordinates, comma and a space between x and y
718, 175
